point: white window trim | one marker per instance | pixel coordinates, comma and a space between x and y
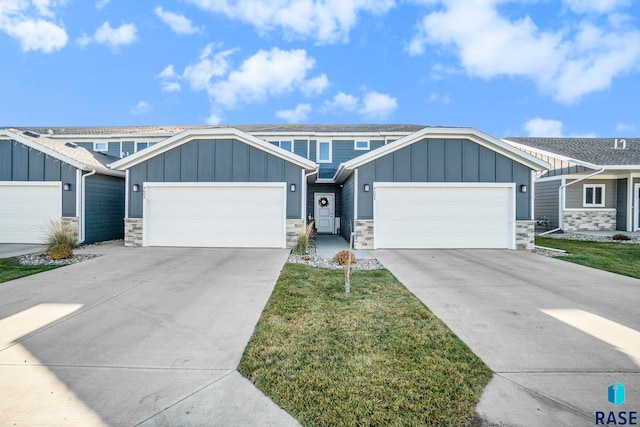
278, 143
356, 148
95, 146
584, 195
318, 151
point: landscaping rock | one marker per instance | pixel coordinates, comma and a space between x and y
42, 258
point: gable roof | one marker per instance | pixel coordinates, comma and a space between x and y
219, 133
446, 133
132, 131
74, 155
596, 151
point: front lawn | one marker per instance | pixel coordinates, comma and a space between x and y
11, 269
621, 258
377, 357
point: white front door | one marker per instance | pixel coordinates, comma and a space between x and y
636, 226
324, 212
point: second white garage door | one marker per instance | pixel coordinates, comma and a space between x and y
426, 215
215, 215
26, 209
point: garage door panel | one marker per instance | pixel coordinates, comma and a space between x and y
215, 216
443, 217
26, 210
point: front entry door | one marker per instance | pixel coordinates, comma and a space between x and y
637, 224
324, 212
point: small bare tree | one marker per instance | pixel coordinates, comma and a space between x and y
347, 268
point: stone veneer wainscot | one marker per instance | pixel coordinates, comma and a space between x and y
133, 232
73, 224
525, 235
295, 227
589, 220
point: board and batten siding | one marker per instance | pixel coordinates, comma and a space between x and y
216, 160
547, 200
574, 194
104, 208
443, 160
621, 204
21, 163
346, 220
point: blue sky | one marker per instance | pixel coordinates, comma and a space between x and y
540, 68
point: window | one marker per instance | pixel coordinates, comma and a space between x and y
141, 145
286, 145
593, 195
323, 152
100, 146
361, 145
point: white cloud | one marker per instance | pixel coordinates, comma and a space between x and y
436, 97
372, 106
567, 64
169, 80
625, 127
100, 4
596, 6
315, 85
342, 102
328, 21
378, 106
141, 107
297, 115
168, 73
123, 35
32, 24
177, 22
210, 65
115, 37
543, 127
171, 86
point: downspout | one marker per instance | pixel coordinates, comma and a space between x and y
561, 200
82, 217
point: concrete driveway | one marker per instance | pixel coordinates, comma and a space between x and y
8, 250
149, 336
555, 333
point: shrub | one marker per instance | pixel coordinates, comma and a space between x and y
61, 251
620, 236
59, 233
303, 240
342, 257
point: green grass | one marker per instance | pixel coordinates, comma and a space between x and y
377, 357
10, 269
621, 258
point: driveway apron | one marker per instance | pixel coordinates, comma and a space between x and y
556, 334
133, 335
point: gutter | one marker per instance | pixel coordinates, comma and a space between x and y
82, 216
561, 199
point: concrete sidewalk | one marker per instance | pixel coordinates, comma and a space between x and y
327, 245
556, 334
137, 335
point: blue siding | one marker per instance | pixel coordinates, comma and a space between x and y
621, 204
113, 149
300, 147
104, 208
443, 160
346, 218
323, 188
87, 145
19, 163
222, 160
128, 148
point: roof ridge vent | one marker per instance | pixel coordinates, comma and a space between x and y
31, 134
71, 144
620, 144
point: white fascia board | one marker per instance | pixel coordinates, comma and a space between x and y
218, 133
46, 150
555, 155
474, 135
329, 134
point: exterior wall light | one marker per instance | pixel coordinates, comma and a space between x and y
292, 187
366, 188
523, 188
66, 186
135, 188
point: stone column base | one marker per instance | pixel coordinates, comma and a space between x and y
73, 224
525, 235
133, 232
363, 234
295, 227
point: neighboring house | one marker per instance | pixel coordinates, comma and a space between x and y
593, 183
42, 179
393, 186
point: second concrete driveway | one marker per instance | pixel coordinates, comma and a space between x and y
137, 335
556, 334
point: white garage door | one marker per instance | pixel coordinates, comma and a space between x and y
444, 215
215, 215
26, 208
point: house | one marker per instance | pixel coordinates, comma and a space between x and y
393, 186
43, 179
593, 184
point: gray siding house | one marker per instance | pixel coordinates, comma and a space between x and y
42, 179
593, 184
